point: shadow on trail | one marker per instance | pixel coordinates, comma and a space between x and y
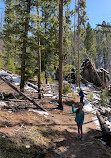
90, 121
67, 146
70, 102
25, 123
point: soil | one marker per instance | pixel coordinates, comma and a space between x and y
59, 129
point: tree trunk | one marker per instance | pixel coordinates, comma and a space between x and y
39, 57
75, 46
78, 67
24, 46
25, 96
60, 51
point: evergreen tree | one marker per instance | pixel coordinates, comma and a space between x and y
103, 46
26, 8
60, 51
90, 42
82, 13
50, 26
8, 36
89, 37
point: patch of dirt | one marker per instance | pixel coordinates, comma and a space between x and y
59, 131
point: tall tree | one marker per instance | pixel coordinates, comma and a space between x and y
39, 54
8, 36
27, 9
80, 9
50, 26
89, 37
60, 51
90, 42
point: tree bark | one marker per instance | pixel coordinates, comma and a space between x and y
21, 93
104, 126
60, 52
78, 67
39, 57
24, 46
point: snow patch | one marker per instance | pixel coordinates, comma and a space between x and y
2, 103
37, 111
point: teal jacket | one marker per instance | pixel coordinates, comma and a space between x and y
79, 116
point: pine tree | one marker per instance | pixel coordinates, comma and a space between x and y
82, 18
26, 8
9, 37
60, 51
50, 26
90, 42
39, 55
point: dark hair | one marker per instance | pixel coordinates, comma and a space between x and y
78, 110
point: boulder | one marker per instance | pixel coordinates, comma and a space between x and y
90, 73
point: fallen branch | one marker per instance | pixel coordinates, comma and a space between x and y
32, 85
104, 126
28, 98
15, 100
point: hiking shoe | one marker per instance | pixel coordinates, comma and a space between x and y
82, 139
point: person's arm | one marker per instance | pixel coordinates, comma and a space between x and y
73, 110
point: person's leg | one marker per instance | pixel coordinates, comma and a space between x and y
46, 80
81, 99
78, 126
81, 132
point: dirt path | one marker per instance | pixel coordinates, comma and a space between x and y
66, 144
61, 130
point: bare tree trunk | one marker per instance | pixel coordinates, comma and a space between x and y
78, 73
24, 47
60, 52
39, 57
23, 67
75, 47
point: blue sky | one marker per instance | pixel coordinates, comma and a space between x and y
97, 11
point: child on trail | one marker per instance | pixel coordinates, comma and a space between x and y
79, 119
81, 94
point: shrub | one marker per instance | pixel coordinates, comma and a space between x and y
104, 98
74, 95
90, 96
66, 88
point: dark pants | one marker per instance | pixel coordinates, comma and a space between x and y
46, 80
81, 99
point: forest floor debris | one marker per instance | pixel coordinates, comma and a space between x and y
29, 134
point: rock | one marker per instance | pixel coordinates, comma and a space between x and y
90, 73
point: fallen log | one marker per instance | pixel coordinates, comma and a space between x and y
32, 85
35, 87
21, 93
104, 126
106, 133
14, 100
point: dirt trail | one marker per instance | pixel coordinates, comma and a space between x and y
61, 129
66, 144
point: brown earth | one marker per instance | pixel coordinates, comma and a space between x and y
60, 130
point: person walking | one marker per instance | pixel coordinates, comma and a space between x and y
81, 94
